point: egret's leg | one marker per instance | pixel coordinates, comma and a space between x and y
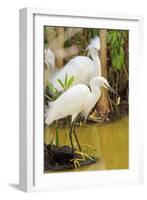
76, 161
83, 155
70, 137
79, 146
74, 131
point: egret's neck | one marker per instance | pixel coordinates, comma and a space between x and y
96, 61
95, 90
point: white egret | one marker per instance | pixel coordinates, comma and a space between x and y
82, 68
49, 60
79, 99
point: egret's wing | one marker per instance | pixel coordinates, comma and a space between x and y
80, 67
70, 102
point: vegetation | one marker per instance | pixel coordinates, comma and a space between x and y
67, 83
52, 93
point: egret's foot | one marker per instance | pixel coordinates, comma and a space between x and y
76, 162
94, 114
95, 117
83, 156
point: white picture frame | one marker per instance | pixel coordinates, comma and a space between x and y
32, 177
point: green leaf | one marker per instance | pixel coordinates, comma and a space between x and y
60, 82
70, 82
51, 87
114, 62
118, 64
56, 90
122, 56
65, 82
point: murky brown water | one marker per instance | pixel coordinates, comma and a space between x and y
109, 142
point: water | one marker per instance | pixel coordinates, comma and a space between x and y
108, 142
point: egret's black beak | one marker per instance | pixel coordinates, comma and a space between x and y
111, 90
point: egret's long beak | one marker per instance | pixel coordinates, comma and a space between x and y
111, 90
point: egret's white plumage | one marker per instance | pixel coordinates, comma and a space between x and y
81, 67
78, 99
49, 59
95, 43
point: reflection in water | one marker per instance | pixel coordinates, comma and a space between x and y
109, 142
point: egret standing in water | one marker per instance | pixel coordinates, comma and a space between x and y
79, 99
82, 68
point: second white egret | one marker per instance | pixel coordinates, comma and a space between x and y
82, 68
